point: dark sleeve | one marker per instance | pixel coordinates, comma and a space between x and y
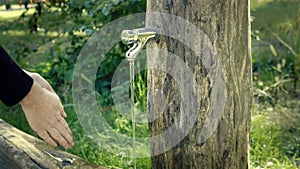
15, 84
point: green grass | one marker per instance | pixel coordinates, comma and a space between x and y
12, 15
275, 135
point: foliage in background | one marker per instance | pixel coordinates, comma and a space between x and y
64, 28
276, 48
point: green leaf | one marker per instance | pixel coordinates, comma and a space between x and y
273, 50
105, 11
89, 31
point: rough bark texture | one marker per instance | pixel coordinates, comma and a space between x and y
226, 24
19, 150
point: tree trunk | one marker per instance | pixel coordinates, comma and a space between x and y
200, 113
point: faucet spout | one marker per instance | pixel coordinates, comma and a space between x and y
134, 51
137, 37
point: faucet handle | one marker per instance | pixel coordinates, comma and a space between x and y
129, 36
141, 34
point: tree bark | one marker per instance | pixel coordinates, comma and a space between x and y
226, 32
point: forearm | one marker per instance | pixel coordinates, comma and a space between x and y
15, 83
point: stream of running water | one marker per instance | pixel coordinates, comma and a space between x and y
131, 67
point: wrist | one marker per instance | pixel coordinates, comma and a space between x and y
31, 74
30, 98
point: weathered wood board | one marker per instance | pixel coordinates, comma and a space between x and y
19, 150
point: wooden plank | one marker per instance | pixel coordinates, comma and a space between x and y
19, 150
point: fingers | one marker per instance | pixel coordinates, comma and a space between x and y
45, 136
56, 135
63, 113
59, 129
65, 125
58, 132
64, 135
65, 131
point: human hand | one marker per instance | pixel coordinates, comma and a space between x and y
45, 115
40, 80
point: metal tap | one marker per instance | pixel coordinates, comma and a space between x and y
137, 37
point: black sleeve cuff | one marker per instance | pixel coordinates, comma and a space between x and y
15, 83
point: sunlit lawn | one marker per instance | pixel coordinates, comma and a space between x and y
275, 136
